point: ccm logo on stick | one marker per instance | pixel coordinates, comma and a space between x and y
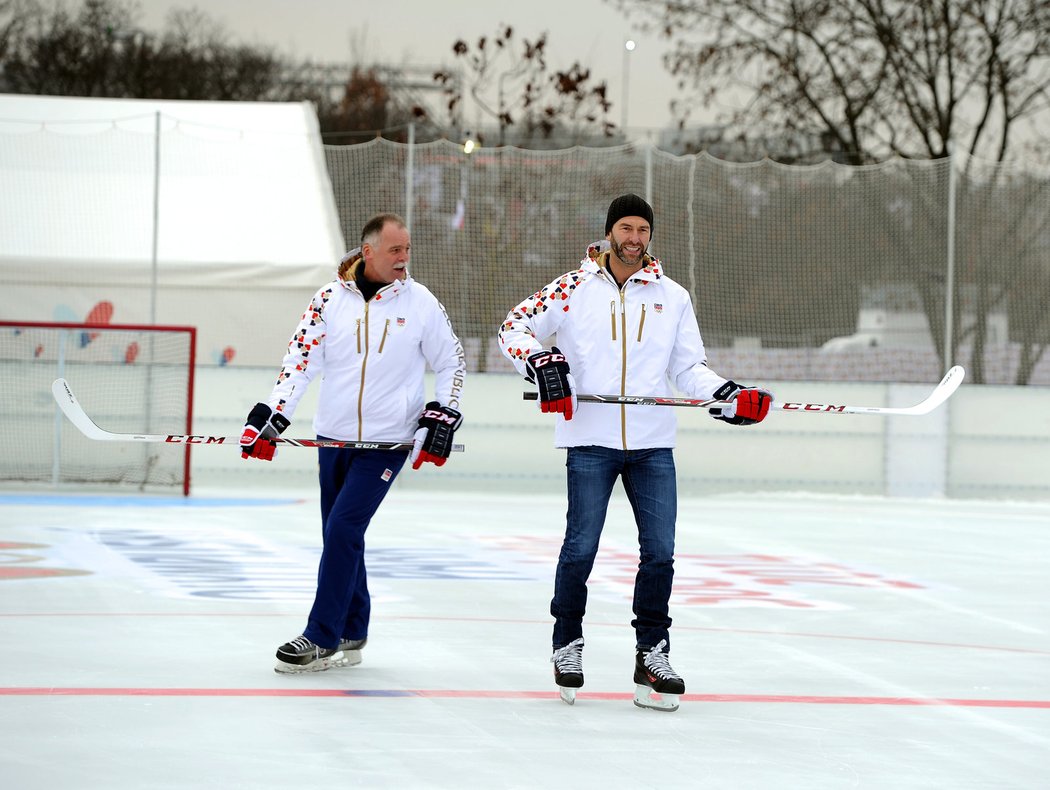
195, 439
811, 407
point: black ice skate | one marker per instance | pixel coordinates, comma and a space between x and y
657, 686
568, 669
302, 655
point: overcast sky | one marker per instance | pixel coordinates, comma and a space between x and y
422, 32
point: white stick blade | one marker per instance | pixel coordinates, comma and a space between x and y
952, 380
71, 407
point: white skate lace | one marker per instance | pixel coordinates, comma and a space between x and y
659, 663
569, 659
302, 644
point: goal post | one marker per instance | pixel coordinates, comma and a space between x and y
134, 378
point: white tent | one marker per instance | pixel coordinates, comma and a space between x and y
217, 215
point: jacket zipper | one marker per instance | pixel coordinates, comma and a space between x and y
623, 366
364, 364
641, 323
361, 392
612, 318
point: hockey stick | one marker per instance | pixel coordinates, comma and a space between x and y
71, 407
949, 384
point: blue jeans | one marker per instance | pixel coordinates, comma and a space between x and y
649, 480
353, 485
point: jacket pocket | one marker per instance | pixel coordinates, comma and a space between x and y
641, 323
382, 340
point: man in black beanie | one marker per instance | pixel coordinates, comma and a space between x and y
629, 329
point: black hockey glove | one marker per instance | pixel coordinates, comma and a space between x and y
262, 426
432, 442
748, 406
549, 371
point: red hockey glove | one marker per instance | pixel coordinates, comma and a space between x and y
432, 443
749, 405
549, 371
262, 426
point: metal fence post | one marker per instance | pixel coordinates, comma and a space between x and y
949, 280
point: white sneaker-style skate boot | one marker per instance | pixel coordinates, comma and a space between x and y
568, 669
657, 686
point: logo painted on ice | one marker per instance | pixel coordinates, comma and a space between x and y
232, 565
17, 561
727, 580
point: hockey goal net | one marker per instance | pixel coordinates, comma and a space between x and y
129, 378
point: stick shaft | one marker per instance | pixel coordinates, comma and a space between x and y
71, 407
948, 385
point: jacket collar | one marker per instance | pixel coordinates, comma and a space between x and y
347, 281
598, 258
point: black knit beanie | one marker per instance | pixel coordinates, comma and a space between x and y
629, 205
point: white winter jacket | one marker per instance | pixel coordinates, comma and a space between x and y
638, 340
371, 357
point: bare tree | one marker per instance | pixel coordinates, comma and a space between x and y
57, 51
367, 107
99, 49
877, 77
911, 78
197, 59
510, 82
14, 15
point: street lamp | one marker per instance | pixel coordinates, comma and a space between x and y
628, 48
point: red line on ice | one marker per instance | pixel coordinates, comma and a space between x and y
803, 699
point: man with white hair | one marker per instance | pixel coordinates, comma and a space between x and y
368, 336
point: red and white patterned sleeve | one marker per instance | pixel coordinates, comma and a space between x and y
536, 318
304, 358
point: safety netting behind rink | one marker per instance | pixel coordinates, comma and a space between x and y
889, 272
129, 379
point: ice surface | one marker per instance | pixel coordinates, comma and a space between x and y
826, 642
